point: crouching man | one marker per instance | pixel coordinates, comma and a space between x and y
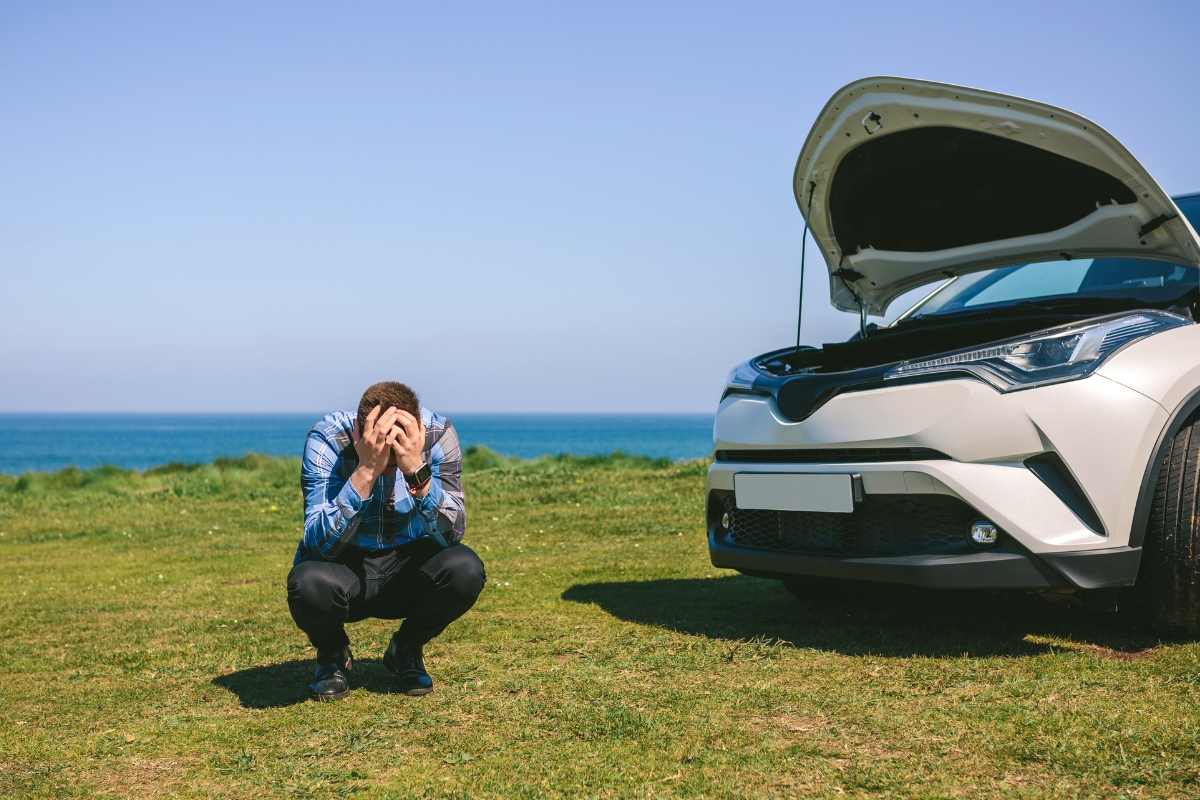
383, 517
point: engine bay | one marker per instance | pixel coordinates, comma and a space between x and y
927, 336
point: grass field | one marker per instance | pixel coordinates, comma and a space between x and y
146, 651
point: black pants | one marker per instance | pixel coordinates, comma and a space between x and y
422, 583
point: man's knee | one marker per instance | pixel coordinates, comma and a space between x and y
461, 572
315, 589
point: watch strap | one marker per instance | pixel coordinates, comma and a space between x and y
419, 478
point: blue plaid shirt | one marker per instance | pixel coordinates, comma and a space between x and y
335, 515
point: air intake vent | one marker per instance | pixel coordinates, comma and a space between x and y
1053, 472
884, 525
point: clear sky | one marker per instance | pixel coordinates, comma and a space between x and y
511, 206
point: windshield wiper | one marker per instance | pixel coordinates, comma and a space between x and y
1019, 308
1050, 304
1029, 307
1098, 303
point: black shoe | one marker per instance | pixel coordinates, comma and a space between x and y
405, 662
329, 681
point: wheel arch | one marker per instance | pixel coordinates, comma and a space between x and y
1183, 414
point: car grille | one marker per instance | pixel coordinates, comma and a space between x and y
883, 525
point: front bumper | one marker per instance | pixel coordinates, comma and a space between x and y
1104, 432
955, 446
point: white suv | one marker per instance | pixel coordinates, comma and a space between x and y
1034, 422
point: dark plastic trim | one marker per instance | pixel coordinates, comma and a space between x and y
1098, 569
1009, 566
799, 397
1053, 471
1141, 512
990, 570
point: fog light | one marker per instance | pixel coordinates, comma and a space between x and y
983, 533
725, 521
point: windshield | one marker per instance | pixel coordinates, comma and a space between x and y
1144, 280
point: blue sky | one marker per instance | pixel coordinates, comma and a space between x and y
513, 207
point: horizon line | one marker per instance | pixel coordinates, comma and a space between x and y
322, 413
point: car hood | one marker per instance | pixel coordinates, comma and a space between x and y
911, 181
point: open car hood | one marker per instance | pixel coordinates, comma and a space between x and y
912, 181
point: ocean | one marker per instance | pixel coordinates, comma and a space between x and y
49, 442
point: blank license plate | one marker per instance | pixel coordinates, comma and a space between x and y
793, 492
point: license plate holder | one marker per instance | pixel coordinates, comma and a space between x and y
794, 491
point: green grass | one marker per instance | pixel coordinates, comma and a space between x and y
146, 650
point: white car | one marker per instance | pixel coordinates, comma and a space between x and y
1033, 423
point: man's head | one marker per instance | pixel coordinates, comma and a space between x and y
388, 394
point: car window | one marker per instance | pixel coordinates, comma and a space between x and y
1034, 280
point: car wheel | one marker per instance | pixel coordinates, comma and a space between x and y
1170, 573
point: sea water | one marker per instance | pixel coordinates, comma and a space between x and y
47, 442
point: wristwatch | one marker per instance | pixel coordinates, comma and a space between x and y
419, 478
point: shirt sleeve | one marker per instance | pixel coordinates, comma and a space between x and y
444, 507
331, 503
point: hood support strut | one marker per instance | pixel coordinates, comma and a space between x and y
812, 187
842, 273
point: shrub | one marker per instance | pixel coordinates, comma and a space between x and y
477, 457
174, 468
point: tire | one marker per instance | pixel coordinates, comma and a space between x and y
1169, 577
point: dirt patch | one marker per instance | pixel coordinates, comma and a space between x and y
240, 582
1131, 653
1023, 782
1123, 655
142, 777
1126, 649
804, 724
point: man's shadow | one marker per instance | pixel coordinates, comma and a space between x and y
286, 684
859, 618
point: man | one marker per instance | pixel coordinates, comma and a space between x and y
383, 518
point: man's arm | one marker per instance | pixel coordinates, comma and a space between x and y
444, 507
331, 503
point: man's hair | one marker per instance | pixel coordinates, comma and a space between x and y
388, 394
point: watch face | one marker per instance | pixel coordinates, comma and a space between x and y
420, 476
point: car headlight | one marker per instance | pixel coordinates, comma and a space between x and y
741, 378
1060, 354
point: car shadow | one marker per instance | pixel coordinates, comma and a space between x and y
861, 619
286, 684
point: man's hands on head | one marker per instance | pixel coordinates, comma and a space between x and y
409, 447
374, 447
391, 433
